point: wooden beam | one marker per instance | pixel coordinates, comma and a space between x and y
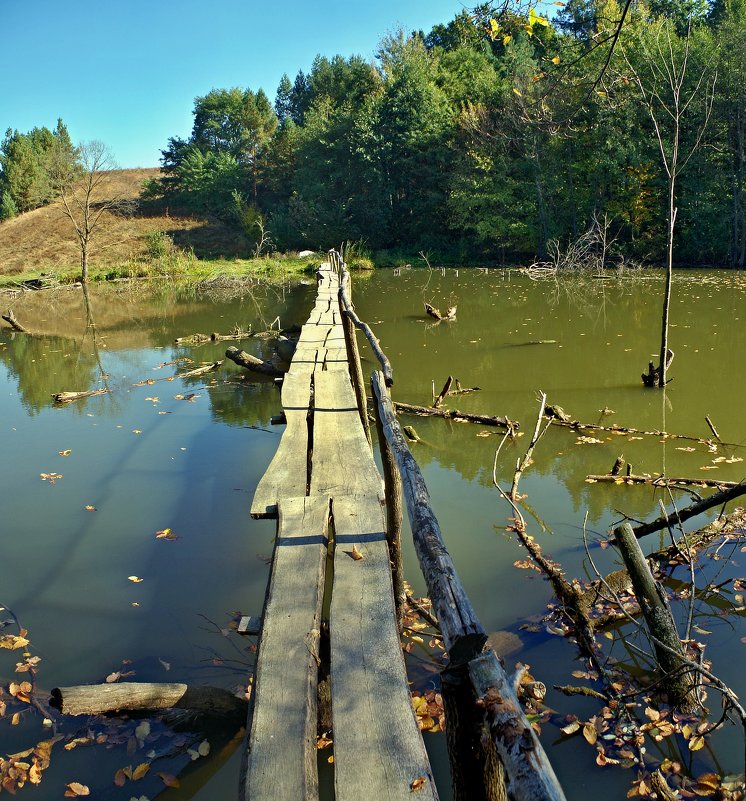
280, 761
378, 749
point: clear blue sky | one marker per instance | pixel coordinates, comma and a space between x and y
127, 71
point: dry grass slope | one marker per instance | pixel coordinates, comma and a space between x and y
43, 239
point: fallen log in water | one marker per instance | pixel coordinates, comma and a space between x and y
660, 481
101, 699
436, 313
676, 517
200, 370
455, 414
12, 321
200, 339
615, 429
243, 359
69, 397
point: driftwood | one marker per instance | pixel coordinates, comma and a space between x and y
678, 683
463, 390
455, 414
436, 313
578, 426
243, 359
716, 499
660, 481
443, 392
12, 321
69, 397
101, 699
200, 370
200, 339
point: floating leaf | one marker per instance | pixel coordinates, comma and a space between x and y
75, 789
589, 733
90, 508
140, 770
417, 784
203, 748
142, 730
12, 642
165, 534
65, 453
135, 579
168, 779
696, 742
571, 728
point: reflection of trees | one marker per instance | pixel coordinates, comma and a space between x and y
44, 365
239, 403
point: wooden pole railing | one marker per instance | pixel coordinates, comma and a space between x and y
527, 774
348, 310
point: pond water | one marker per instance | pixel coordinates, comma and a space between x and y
86, 487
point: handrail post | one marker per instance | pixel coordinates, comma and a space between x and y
356, 368
393, 496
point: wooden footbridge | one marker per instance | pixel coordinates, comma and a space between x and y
330, 627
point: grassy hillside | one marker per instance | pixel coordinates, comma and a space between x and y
43, 240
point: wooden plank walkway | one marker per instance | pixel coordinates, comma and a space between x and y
325, 489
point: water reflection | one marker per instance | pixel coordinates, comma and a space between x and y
148, 456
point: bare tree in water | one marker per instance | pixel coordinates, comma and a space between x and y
660, 75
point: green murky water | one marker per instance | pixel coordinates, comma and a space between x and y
147, 458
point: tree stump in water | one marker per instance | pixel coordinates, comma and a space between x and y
652, 377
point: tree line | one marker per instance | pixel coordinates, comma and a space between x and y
495, 137
31, 167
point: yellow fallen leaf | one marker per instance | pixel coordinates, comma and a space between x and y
135, 579
65, 453
90, 508
589, 733
140, 770
696, 742
417, 784
75, 789
355, 553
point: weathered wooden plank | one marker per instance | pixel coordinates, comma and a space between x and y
287, 474
281, 755
378, 749
341, 460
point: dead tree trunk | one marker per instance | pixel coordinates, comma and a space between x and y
10, 318
101, 699
455, 414
243, 359
678, 682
